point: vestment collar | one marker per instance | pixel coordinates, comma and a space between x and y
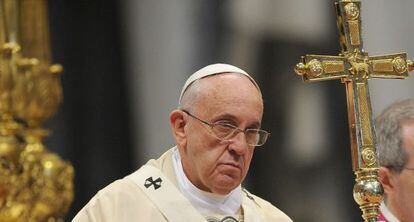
387, 213
205, 202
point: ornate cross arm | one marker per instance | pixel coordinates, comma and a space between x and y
395, 66
315, 68
354, 67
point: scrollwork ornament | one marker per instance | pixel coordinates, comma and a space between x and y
369, 156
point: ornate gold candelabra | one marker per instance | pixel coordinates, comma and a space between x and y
354, 67
35, 184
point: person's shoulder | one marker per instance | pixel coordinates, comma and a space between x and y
124, 199
119, 189
122, 188
162, 161
270, 212
121, 197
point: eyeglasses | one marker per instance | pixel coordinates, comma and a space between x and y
225, 131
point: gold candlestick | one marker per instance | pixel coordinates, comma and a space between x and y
36, 185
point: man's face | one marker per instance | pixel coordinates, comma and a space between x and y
211, 164
404, 187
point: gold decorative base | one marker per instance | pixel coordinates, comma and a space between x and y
368, 193
31, 178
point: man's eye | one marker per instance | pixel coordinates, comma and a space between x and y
224, 127
222, 130
226, 124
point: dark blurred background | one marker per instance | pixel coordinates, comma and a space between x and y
126, 61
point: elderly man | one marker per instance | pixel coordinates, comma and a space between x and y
216, 128
395, 133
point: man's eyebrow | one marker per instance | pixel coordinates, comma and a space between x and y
256, 125
226, 116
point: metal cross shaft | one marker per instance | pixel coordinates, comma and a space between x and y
355, 67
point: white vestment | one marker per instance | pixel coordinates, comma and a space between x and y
151, 194
387, 213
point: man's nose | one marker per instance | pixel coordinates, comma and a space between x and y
239, 144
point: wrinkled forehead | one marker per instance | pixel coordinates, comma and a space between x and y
214, 69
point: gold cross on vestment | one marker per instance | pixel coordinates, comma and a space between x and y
354, 67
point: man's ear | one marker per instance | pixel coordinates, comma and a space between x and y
386, 177
177, 124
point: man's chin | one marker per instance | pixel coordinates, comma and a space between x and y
224, 184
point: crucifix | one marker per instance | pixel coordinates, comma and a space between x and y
354, 67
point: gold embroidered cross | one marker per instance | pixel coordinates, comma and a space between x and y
354, 67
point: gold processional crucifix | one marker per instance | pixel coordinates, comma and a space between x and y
354, 67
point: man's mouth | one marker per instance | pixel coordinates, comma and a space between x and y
232, 164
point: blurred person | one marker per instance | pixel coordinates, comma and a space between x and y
216, 128
395, 133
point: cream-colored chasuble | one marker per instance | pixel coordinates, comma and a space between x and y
165, 195
152, 194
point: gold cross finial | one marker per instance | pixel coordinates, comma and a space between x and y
354, 67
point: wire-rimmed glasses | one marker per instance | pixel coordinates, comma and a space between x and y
226, 131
